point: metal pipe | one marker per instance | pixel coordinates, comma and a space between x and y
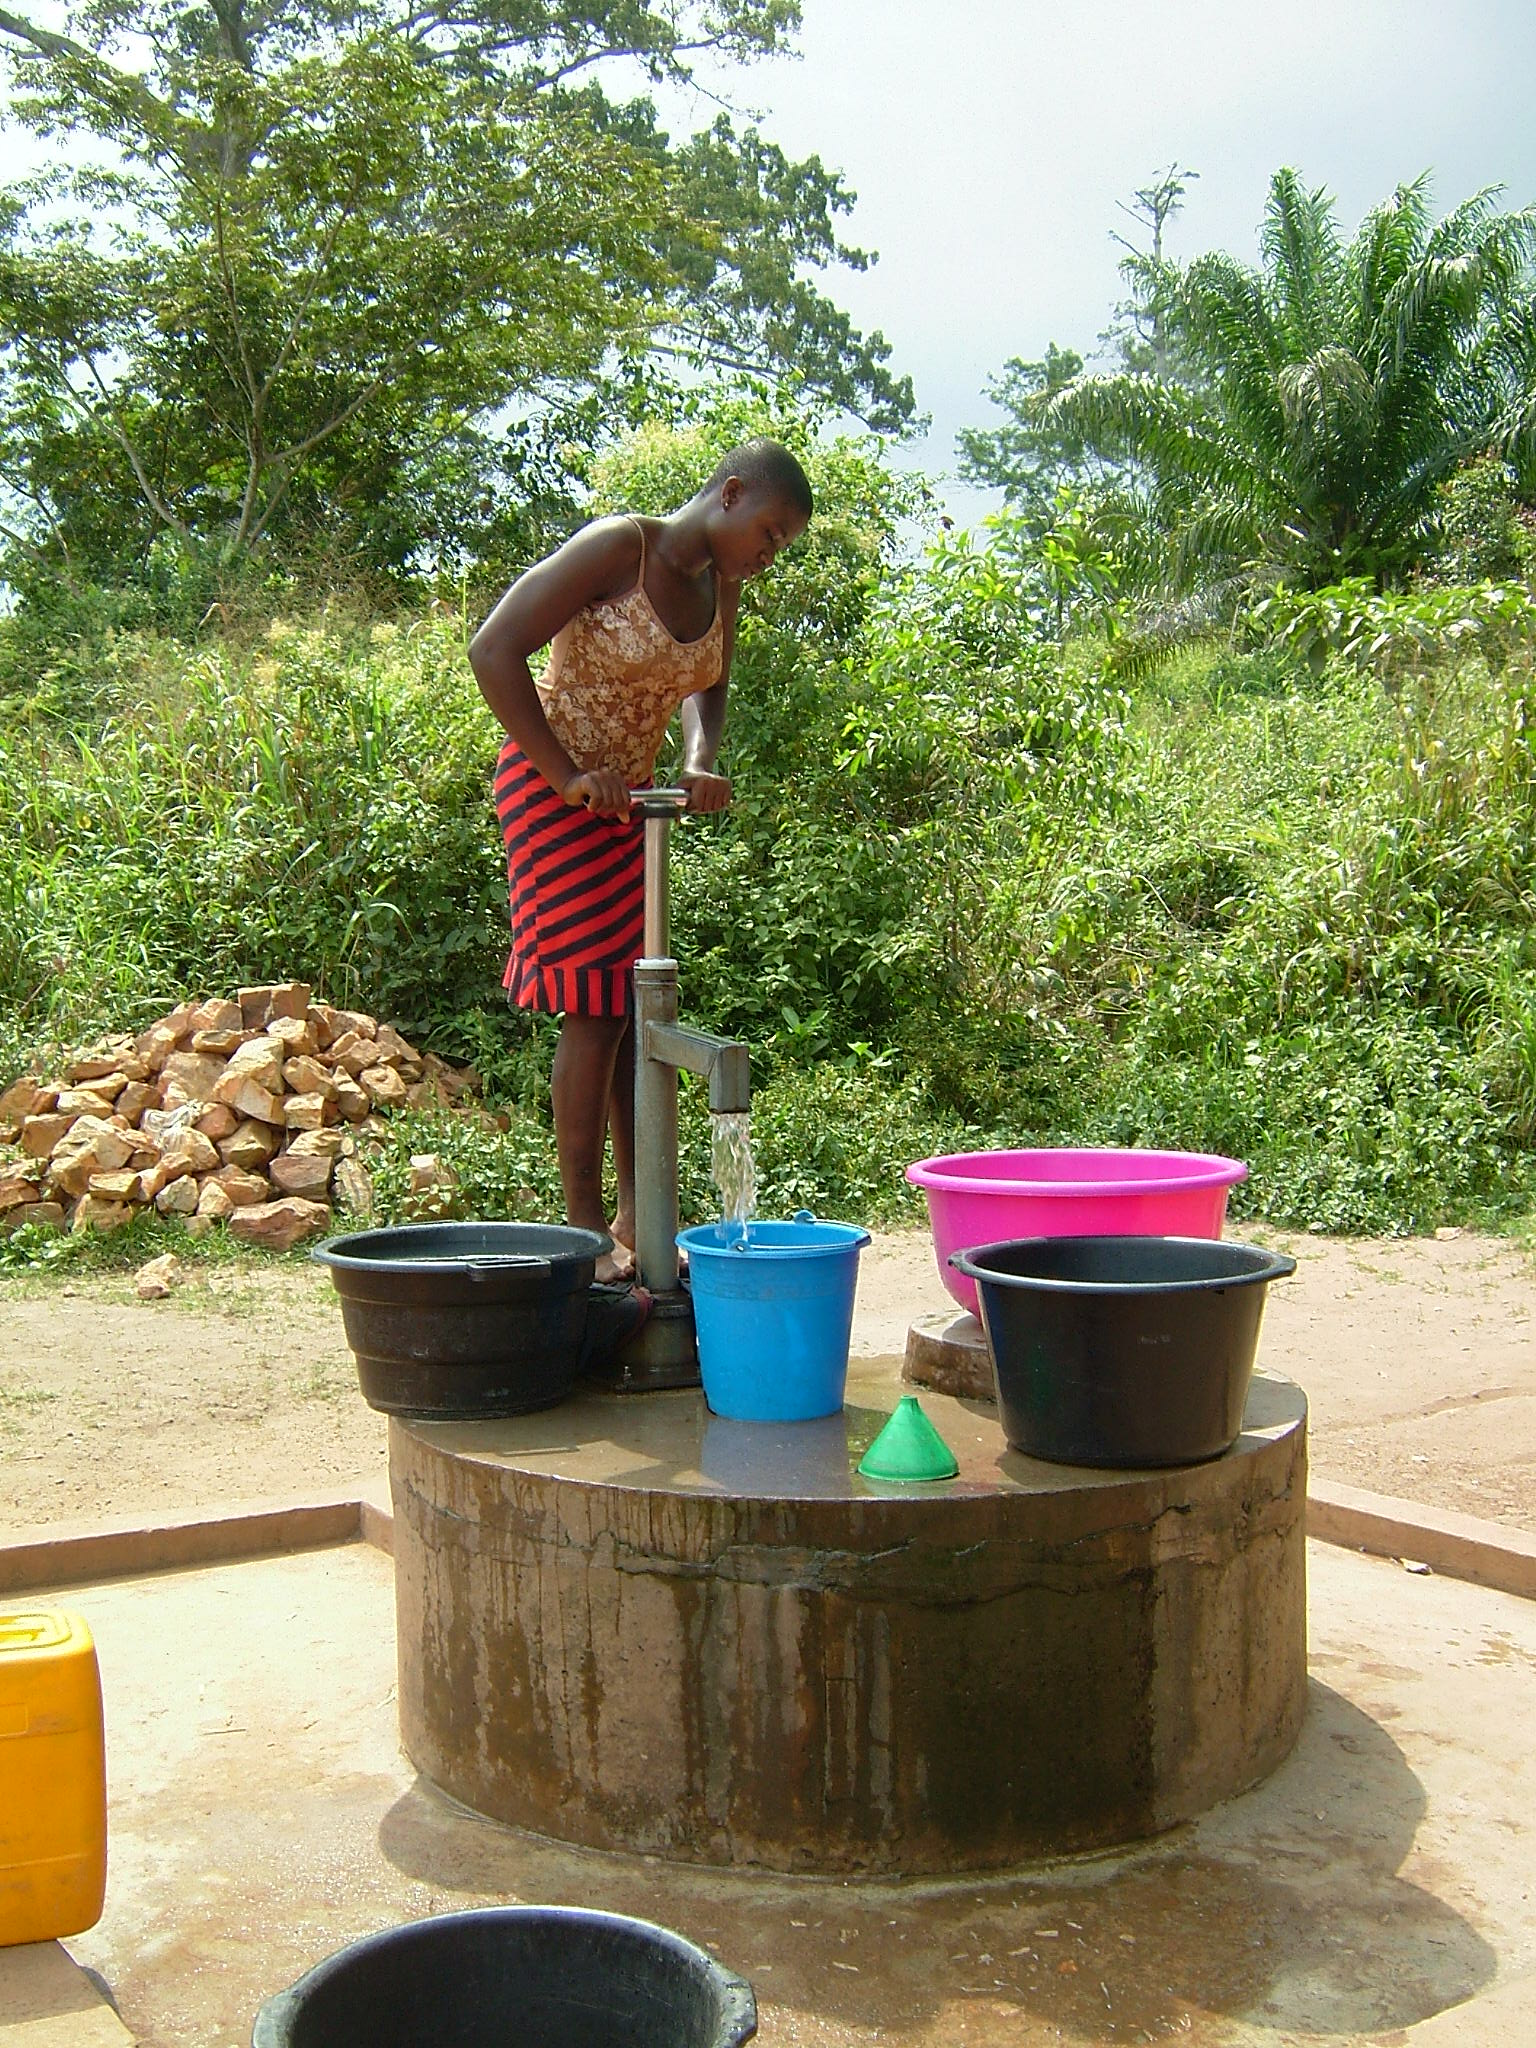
655, 1129
658, 908
662, 1046
658, 807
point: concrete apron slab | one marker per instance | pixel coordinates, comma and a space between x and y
48, 2001
1375, 1890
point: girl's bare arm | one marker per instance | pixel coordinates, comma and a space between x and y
600, 561
704, 720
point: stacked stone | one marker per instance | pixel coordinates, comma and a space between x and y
242, 1112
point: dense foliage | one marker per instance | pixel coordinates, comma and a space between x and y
318, 289
1275, 899
989, 875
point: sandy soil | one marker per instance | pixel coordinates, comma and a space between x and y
1418, 1356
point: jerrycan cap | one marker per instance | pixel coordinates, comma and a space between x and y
27, 1630
909, 1448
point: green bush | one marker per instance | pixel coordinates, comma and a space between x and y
1484, 530
320, 808
832, 1137
1276, 900
1327, 959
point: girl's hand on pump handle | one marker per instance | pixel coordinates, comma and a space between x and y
603, 791
706, 790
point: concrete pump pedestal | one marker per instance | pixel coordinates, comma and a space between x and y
948, 1353
629, 1624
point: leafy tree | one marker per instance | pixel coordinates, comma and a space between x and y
322, 242
1334, 389
1034, 458
1027, 460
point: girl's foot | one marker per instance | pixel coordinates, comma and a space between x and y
622, 1231
615, 1265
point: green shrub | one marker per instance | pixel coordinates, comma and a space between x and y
501, 1176
1398, 633
971, 890
832, 1138
1332, 961
320, 810
1485, 532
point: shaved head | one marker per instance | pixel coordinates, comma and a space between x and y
767, 466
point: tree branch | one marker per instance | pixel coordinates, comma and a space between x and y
542, 80
419, 28
25, 541
43, 40
156, 503
288, 461
307, 297
63, 49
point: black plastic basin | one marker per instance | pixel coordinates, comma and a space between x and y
514, 1977
449, 1321
1122, 1350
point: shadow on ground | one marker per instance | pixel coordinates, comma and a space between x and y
1284, 1909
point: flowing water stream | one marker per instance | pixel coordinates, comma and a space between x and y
732, 1170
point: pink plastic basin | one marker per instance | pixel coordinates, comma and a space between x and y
984, 1197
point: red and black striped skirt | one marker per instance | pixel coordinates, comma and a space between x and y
577, 890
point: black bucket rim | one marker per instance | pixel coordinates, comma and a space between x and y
581, 1244
738, 2001
1271, 1265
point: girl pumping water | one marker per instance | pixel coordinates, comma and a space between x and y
640, 618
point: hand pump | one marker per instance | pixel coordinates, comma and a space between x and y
663, 1353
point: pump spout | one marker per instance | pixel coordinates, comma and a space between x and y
725, 1061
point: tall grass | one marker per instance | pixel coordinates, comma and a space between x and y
969, 891
317, 806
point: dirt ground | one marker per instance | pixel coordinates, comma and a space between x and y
1418, 1357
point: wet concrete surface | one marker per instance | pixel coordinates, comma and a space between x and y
1416, 1356
262, 1815
639, 1627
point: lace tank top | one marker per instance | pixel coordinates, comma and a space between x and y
616, 675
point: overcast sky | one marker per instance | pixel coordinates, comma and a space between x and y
989, 140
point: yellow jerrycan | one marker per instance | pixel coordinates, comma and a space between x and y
53, 1777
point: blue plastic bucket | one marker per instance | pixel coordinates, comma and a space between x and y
774, 1312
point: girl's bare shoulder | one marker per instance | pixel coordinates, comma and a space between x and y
605, 554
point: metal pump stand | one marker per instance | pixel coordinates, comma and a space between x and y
663, 1352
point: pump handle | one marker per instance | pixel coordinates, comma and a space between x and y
657, 803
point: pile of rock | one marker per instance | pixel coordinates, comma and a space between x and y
240, 1111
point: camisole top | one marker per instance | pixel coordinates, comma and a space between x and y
616, 675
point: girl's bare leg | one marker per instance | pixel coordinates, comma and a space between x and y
581, 1085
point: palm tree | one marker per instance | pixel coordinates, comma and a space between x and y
1323, 397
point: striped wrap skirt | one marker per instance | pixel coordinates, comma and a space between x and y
576, 885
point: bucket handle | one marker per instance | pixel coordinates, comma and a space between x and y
482, 1270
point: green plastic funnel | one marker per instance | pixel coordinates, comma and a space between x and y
909, 1448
